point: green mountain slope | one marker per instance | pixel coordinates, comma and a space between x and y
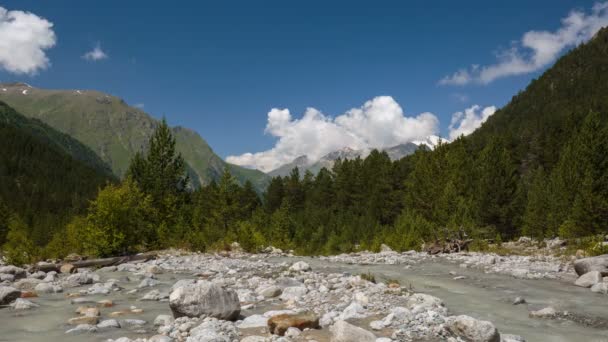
115, 130
539, 120
40, 179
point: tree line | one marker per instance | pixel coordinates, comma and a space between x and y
358, 204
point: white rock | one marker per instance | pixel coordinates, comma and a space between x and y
108, 324
354, 310
342, 331
161, 320
23, 304
600, 288
293, 292
205, 298
547, 312
472, 329
589, 279
8, 294
270, 291
300, 266
254, 321
292, 332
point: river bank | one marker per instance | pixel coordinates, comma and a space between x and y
411, 297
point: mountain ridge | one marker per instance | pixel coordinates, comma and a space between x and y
115, 131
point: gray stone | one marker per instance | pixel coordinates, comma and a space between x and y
519, 300
8, 294
48, 288
205, 298
598, 263
547, 312
293, 292
300, 266
17, 272
342, 331
161, 320
589, 279
600, 288
270, 291
108, 324
511, 338
472, 329
82, 328
23, 304
254, 321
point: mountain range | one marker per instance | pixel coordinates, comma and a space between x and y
304, 163
115, 131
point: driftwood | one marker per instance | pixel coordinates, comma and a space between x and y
456, 242
47, 267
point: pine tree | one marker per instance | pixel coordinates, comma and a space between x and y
273, 197
161, 172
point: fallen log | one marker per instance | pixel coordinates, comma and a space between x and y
103, 262
113, 261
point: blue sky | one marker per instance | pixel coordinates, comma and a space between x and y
220, 67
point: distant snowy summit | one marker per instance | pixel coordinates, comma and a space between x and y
304, 163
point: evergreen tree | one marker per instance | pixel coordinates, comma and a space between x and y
161, 172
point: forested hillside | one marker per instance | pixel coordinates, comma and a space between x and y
116, 131
537, 167
41, 179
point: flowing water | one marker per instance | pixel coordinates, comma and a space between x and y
490, 296
484, 296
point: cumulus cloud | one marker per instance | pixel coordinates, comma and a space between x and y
96, 54
24, 37
536, 49
464, 123
380, 122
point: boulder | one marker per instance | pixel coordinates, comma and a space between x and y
254, 321
270, 291
161, 320
600, 288
8, 294
67, 268
279, 324
48, 288
345, 332
82, 328
598, 263
589, 279
109, 324
354, 310
511, 338
293, 292
23, 304
17, 272
471, 329
204, 298
92, 320
519, 300
300, 266
547, 312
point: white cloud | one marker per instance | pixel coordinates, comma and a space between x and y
536, 49
96, 54
464, 123
139, 105
24, 37
380, 122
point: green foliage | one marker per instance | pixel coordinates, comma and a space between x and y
368, 276
19, 249
118, 221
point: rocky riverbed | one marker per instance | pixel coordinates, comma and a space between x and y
276, 297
